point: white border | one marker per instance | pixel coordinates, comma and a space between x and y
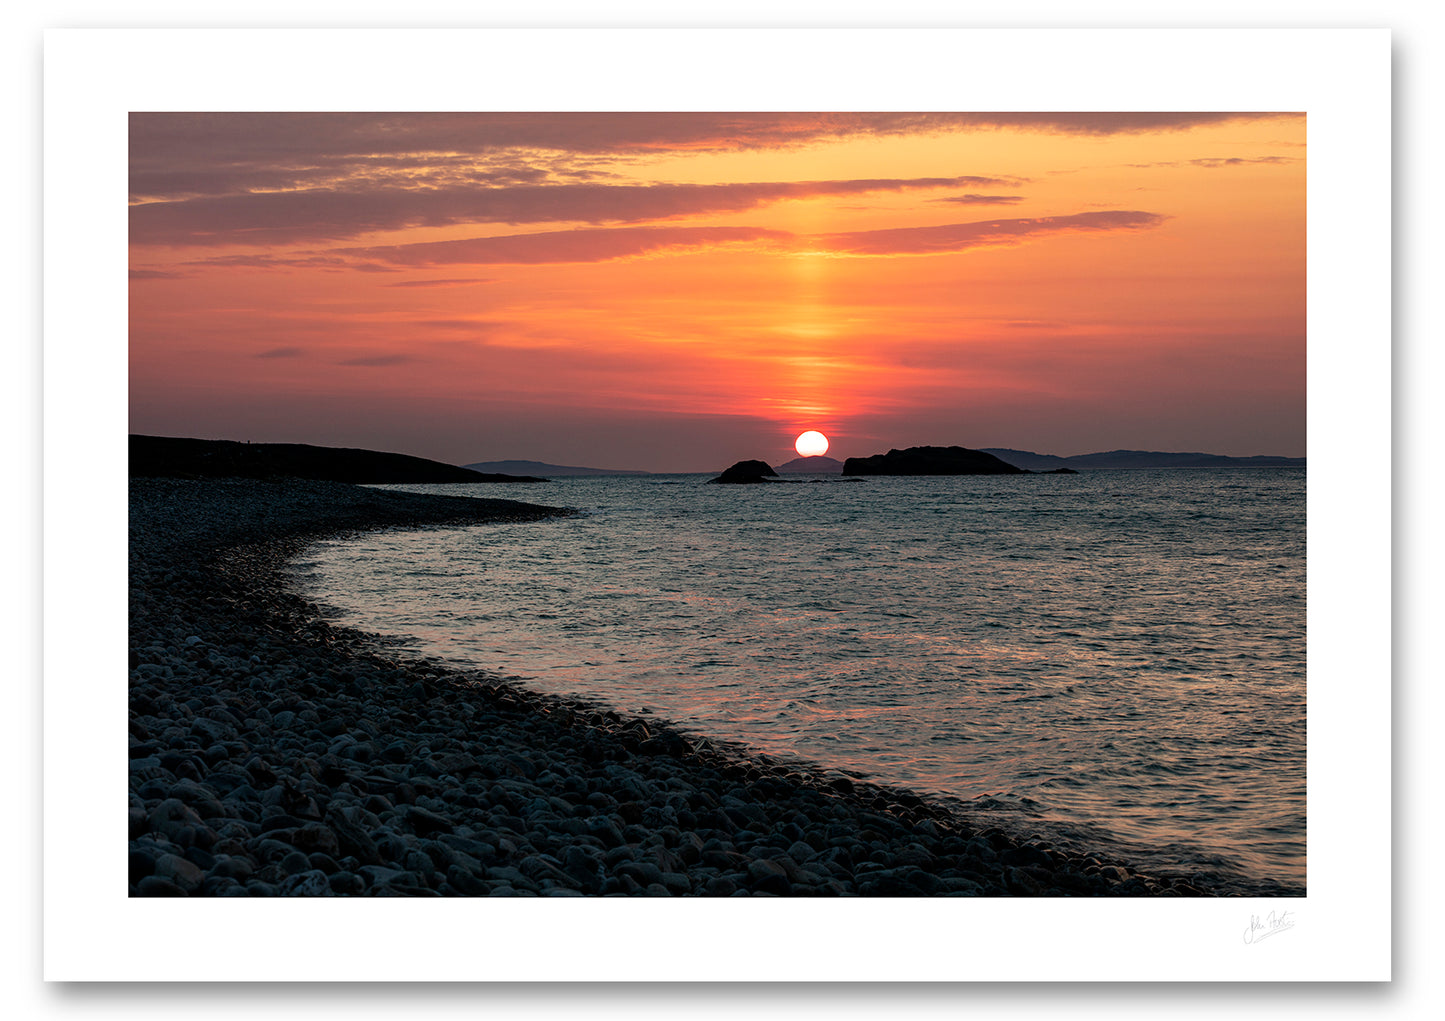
94, 77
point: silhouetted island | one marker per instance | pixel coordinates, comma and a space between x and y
930, 461
747, 472
815, 464
180, 458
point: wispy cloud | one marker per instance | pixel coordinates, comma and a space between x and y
281, 352
336, 214
378, 361
594, 245
242, 142
981, 200
604, 243
156, 274
451, 282
1213, 162
957, 237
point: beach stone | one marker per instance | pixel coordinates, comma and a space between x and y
351, 837
425, 822
345, 884
171, 816
1022, 883
233, 867
295, 862
312, 883
465, 883
185, 874
141, 863
156, 886
316, 838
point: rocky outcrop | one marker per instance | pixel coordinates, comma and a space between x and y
747, 472
930, 461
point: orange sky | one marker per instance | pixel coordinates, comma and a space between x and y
677, 292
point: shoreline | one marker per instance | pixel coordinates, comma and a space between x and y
273, 753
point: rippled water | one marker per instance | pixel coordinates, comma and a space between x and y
1116, 658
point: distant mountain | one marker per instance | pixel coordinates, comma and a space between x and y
177, 457
1138, 459
542, 468
818, 464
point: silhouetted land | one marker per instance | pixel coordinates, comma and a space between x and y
543, 468
746, 472
1027, 459
179, 458
930, 461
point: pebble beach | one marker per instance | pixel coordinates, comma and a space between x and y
273, 753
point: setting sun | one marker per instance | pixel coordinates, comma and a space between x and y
811, 443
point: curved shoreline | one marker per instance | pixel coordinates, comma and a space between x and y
273, 753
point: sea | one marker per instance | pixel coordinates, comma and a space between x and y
1113, 660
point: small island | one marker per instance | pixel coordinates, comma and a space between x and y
746, 473
931, 461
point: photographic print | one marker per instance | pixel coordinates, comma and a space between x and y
860, 516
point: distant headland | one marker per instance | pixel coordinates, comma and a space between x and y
176, 457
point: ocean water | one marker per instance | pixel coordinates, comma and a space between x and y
1115, 659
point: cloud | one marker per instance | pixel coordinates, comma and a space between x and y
1219, 161
243, 141
280, 352
596, 245
957, 237
156, 274
981, 200
602, 244
302, 260
269, 218
452, 282
378, 361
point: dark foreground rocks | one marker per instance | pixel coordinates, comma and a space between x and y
273, 754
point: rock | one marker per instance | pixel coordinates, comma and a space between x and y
930, 461
316, 838
313, 883
185, 874
746, 472
155, 886
351, 837
464, 882
425, 823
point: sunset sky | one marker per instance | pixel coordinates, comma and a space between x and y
676, 292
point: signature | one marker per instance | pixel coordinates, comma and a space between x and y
1262, 929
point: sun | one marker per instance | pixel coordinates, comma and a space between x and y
811, 444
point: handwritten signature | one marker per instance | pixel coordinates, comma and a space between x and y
1262, 929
